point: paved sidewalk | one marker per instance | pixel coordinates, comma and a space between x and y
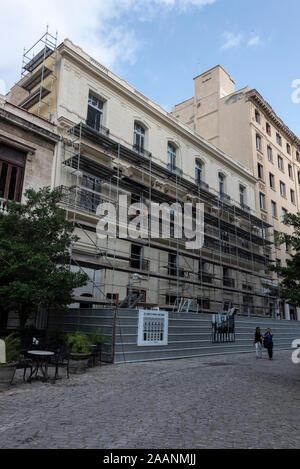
232, 401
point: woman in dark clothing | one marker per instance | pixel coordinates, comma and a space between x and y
258, 342
268, 341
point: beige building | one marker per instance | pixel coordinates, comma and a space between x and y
27, 145
115, 141
242, 124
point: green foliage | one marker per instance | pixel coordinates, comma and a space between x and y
99, 338
35, 239
79, 342
12, 344
57, 337
289, 287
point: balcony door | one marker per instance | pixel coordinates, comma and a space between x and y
95, 113
12, 164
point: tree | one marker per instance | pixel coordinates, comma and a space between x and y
289, 286
35, 242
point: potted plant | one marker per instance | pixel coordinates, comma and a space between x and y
80, 346
12, 351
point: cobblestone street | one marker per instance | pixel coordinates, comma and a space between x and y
232, 401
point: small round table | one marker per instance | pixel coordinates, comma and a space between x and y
40, 359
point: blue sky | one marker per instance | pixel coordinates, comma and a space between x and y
159, 46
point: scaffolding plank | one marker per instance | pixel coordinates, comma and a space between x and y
35, 78
34, 98
38, 59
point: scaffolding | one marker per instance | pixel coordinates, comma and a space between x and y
227, 272
38, 74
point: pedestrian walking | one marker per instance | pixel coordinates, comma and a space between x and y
268, 342
258, 342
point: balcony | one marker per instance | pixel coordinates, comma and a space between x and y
206, 277
224, 197
175, 170
100, 130
174, 271
139, 263
202, 185
245, 207
141, 151
228, 282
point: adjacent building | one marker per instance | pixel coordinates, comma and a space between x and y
27, 145
243, 125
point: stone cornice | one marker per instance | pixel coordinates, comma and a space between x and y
255, 97
67, 48
29, 126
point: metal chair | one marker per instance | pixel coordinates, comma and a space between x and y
60, 360
23, 363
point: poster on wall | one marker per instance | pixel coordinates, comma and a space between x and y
223, 328
152, 328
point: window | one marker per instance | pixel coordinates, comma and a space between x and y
221, 183
12, 164
262, 200
297, 156
278, 264
242, 195
257, 116
288, 148
278, 139
283, 212
204, 274
292, 196
137, 260
268, 128
171, 157
88, 199
274, 209
276, 234
258, 142
173, 268
95, 113
139, 138
272, 180
290, 169
282, 189
270, 155
298, 177
199, 172
280, 163
260, 170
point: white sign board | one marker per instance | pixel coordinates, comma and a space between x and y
2, 352
152, 328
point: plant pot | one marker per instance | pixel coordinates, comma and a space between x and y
7, 372
78, 362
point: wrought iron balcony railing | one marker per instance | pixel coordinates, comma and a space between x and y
101, 130
175, 170
228, 282
224, 197
141, 151
202, 185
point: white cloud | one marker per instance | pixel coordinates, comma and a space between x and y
254, 41
231, 40
104, 28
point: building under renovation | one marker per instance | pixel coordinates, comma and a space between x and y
114, 142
